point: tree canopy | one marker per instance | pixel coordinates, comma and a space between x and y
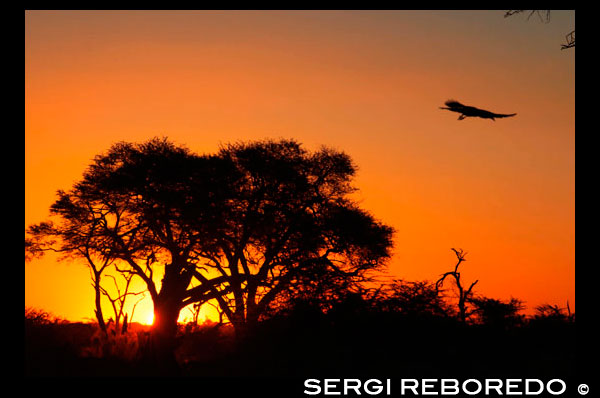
245, 226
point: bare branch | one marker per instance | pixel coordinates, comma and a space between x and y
570, 38
570, 41
539, 13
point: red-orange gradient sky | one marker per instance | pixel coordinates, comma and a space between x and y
365, 82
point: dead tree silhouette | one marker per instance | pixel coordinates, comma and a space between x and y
471, 111
464, 296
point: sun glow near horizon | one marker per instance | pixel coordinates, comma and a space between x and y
149, 318
144, 314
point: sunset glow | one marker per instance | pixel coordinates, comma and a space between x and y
149, 318
369, 83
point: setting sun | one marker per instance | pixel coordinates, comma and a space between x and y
149, 319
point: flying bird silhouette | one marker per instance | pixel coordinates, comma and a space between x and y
471, 111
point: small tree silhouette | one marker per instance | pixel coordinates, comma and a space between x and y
418, 298
118, 302
78, 241
553, 313
464, 296
497, 313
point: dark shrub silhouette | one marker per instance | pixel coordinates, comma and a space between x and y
359, 334
420, 298
497, 313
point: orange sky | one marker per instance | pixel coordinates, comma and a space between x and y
365, 82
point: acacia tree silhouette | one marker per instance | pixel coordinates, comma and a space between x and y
77, 240
293, 222
240, 227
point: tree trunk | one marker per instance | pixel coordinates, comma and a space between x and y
98, 302
160, 352
245, 326
238, 322
167, 305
